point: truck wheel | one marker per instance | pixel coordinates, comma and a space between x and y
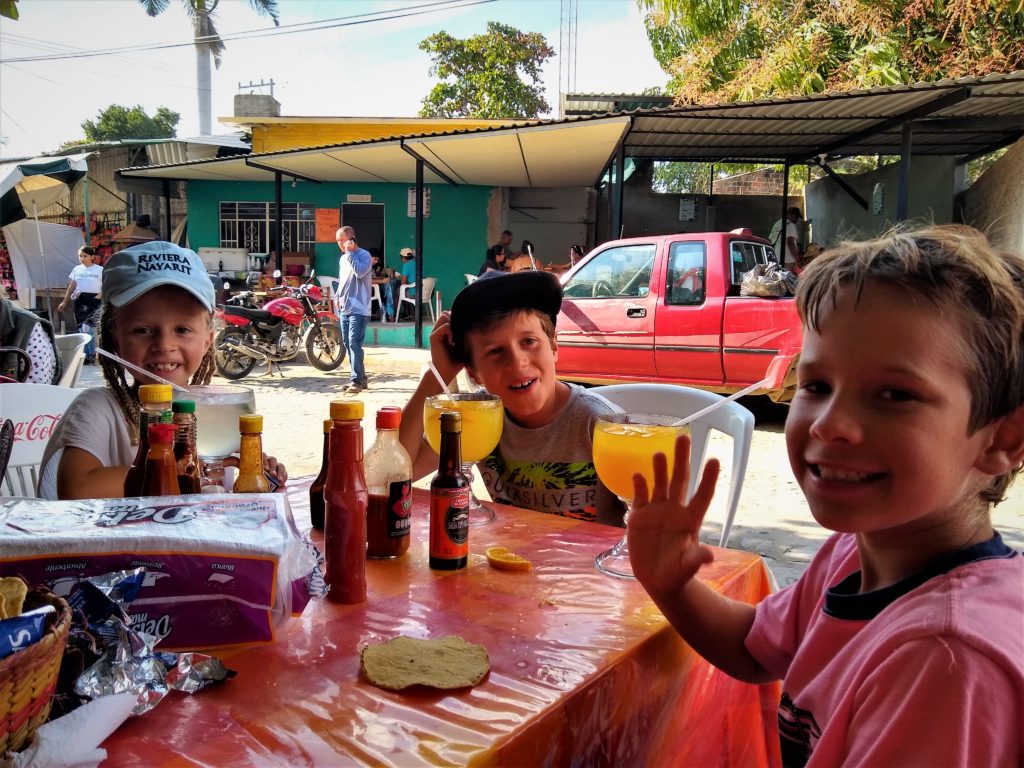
324, 349
232, 364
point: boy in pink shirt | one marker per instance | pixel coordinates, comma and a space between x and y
903, 643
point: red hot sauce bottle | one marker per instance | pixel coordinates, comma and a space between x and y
345, 501
389, 478
449, 501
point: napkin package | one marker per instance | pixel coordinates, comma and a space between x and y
220, 570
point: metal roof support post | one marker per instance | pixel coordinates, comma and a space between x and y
618, 171
419, 254
785, 210
167, 206
278, 212
904, 190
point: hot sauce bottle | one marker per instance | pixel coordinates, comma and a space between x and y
189, 480
449, 500
161, 466
345, 500
154, 399
250, 456
389, 480
316, 488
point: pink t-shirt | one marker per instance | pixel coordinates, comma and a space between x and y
926, 672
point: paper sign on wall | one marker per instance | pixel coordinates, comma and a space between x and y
327, 222
411, 211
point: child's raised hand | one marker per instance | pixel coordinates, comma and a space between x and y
664, 548
441, 348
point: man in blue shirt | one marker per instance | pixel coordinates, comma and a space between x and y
353, 300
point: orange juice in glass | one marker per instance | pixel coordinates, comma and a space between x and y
624, 445
482, 420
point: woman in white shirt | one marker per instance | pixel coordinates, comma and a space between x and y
84, 290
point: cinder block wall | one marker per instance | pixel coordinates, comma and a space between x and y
995, 202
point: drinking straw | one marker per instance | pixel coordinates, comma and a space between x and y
720, 403
143, 371
440, 381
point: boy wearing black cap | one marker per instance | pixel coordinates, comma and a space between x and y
502, 330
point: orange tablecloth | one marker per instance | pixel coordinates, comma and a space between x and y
584, 670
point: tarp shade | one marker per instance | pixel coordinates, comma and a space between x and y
60, 244
41, 181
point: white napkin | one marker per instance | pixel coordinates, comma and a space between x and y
73, 741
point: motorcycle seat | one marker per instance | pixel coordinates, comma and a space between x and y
258, 315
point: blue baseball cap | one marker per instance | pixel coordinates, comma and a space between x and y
130, 273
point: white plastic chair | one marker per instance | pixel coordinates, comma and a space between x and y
375, 297
675, 400
425, 296
35, 410
72, 357
329, 285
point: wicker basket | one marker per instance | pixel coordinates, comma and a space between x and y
29, 677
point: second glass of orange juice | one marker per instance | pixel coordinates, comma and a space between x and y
624, 445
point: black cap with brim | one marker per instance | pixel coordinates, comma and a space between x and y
497, 292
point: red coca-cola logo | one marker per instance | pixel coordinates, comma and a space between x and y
38, 428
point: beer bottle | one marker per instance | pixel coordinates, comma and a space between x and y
250, 456
189, 480
154, 399
345, 499
161, 468
449, 500
389, 481
316, 489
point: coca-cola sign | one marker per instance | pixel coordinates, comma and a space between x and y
39, 427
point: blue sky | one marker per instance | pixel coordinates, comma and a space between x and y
370, 69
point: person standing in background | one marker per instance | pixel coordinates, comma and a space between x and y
504, 243
354, 270
84, 291
787, 243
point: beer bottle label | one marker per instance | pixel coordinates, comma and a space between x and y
399, 508
449, 523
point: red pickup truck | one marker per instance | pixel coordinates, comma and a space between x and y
668, 309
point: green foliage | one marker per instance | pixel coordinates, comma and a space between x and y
493, 75
695, 178
9, 9
201, 13
117, 122
729, 50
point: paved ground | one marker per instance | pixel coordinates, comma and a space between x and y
771, 520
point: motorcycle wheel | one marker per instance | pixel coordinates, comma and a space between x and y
324, 349
231, 364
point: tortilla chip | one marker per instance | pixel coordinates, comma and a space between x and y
13, 591
449, 662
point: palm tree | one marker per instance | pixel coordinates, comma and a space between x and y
208, 43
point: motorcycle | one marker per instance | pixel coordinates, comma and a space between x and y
276, 333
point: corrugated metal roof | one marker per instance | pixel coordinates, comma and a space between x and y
963, 118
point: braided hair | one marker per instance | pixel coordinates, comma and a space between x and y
127, 396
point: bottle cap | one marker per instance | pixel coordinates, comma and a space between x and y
183, 406
389, 417
451, 421
250, 423
342, 410
327, 426
161, 433
155, 393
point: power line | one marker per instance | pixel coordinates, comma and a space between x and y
309, 26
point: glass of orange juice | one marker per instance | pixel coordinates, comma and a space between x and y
625, 444
482, 419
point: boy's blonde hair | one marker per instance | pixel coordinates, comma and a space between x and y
957, 270
113, 372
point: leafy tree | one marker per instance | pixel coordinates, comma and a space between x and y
9, 9
208, 43
493, 75
730, 50
117, 122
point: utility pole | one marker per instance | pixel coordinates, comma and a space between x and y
568, 27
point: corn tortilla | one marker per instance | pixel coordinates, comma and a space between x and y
449, 662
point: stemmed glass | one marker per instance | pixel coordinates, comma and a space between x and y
624, 444
482, 420
218, 407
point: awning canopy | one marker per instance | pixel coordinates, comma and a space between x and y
542, 155
965, 118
